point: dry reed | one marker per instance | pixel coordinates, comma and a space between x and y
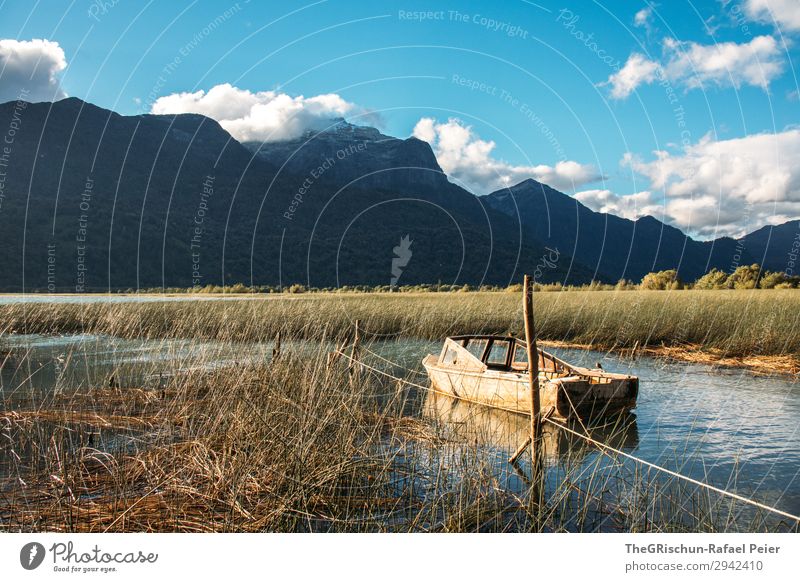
302, 444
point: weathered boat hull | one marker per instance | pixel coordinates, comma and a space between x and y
508, 430
561, 398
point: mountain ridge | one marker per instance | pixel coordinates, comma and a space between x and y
323, 209
630, 249
176, 196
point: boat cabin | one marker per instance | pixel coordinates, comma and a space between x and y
502, 353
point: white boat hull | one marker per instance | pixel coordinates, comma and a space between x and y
562, 398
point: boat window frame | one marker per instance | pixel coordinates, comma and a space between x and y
467, 362
524, 348
482, 358
506, 365
447, 349
561, 367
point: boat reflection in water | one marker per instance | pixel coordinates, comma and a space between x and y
483, 425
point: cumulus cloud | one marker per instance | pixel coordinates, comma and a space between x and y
29, 69
631, 206
258, 116
467, 158
637, 70
783, 12
727, 186
755, 63
692, 65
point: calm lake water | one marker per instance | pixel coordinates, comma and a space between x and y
728, 427
7, 299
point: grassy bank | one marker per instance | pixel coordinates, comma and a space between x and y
300, 444
735, 324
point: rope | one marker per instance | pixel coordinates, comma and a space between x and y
590, 440
391, 363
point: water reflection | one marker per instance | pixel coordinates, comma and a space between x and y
13, 299
726, 427
464, 422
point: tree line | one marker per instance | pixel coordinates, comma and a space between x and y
743, 277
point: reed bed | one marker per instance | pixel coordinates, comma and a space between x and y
731, 323
303, 443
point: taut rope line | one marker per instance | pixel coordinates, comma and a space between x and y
590, 440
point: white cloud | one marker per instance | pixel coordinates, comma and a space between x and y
694, 66
755, 63
638, 70
631, 206
728, 186
468, 159
785, 12
261, 116
29, 70
642, 18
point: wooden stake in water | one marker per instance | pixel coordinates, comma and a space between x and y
353, 365
276, 350
537, 451
533, 360
533, 372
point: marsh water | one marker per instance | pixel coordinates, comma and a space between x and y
727, 427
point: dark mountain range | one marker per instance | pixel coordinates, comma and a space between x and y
92, 200
380, 157
777, 248
613, 247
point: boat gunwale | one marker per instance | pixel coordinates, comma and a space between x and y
514, 341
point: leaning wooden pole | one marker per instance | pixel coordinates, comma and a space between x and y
353, 364
533, 361
537, 452
276, 349
533, 375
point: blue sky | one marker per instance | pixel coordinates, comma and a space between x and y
577, 94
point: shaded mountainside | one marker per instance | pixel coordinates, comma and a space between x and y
613, 247
94, 200
382, 162
777, 248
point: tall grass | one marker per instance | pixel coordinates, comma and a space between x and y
734, 323
302, 443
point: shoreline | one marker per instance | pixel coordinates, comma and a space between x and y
754, 331
783, 365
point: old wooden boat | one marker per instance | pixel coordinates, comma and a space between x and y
493, 370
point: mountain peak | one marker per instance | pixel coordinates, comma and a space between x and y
360, 155
73, 100
526, 184
529, 182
